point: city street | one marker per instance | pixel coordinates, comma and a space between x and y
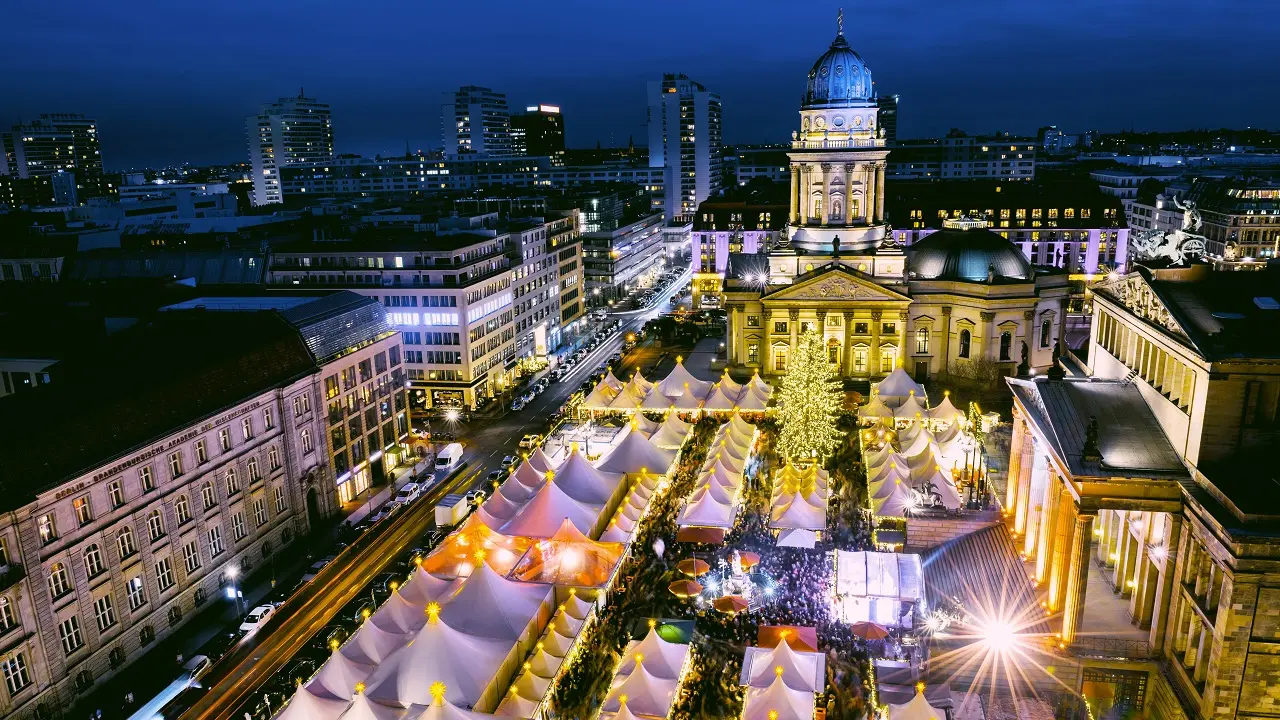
233, 683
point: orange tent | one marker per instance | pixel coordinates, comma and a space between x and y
569, 558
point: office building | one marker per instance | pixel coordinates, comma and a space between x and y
477, 301
1135, 495
475, 121
888, 105
620, 260
684, 140
747, 163
357, 177
539, 130
1124, 183
203, 464
290, 131
741, 221
65, 145
1239, 218
961, 157
564, 239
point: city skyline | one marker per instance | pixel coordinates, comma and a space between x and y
163, 96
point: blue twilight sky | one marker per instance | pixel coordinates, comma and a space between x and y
172, 80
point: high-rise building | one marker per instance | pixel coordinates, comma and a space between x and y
283, 133
539, 130
888, 105
58, 143
684, 139
475, 121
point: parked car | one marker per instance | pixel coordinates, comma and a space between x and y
407, 494
316, 567
497, 476
256, 618
476, 497
517, 405
530, 441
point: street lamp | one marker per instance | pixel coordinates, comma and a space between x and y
233, 592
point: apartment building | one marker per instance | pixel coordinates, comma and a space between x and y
617, 260
287, 132
564, 238
961, 157
125, 515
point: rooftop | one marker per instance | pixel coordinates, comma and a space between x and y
1129, 438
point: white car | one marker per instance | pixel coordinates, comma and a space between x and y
256, 618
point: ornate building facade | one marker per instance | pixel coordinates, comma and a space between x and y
962, 301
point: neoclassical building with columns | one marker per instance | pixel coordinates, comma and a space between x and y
961, 300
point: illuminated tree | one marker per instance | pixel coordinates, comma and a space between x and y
810, 401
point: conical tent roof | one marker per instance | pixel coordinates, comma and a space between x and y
422, 587
679, 381
720, 400
500, 506
732, 463
583, 482
911, 408
576, 608
569, 558
918, 444
660, 658
705, 511
895, 466
896, 503
788, 704
556, 644
718, 493
731, 387
541, 461
898, 385
448, 711
876, 409
646, 694
798, 669
636, 453
759, 385
612, 380
548, 508
398, 616
948, 434
565, 625
720, 475
884, 488
374, 642
629, 399
513, 705
799, 514
647, 426
544, 664
457, 555
623, 714
361, 708
918, 708
529, 475
338, 676
305, 705
945, 410
600, 396
491, 606
616, 533
671, 434
531, 686
464, 663
752, 402
686, 401
639, 378
741, 426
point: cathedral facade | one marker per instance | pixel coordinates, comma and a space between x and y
963, 301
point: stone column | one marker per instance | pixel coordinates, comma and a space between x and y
1115, 525
1025, 466
946, 338
848, 195
822, 328
735, 334
1165, 585
880, 192
766, 358
806, 196
1048, 528
1061, 549
1137, 573
902, 339
873, 362
1015, 461
825, 215
795, 194
848, 344
1077, 577
794, 327
1028, 337
867, 194
982, 336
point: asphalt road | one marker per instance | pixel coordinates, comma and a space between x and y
234, 681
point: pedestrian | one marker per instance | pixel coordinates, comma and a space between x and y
128, 698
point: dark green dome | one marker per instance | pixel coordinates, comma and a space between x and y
973, 254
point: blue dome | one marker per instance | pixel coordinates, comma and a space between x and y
839, 78
974, 255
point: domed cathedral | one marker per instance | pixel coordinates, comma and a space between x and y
838, 156
963, 301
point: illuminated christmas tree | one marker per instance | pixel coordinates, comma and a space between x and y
810, 399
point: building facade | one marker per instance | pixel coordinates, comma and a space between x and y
539, 131
58, 144
1158, 499
616, 261
475, 121
961, 157
289, 131
888, 105
684, 139
725, 226
211, 465
1240, 219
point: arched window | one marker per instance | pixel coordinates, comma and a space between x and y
8, 617
965, 337
59, 580
182, 507
155, 525
207, 494
92, 560
922, 341
125, 543
1046, 329
1006, 341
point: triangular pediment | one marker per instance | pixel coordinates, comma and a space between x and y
1136, 295
834, 284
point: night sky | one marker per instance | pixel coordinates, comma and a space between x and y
171, 81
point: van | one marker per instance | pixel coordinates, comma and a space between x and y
449, 456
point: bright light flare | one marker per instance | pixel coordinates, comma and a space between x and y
998, 635
452, 415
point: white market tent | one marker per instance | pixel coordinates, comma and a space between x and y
659, 657
646, 426
644, 694
362, 708
918, 708
720, 400
875, 410
468, 665
945, 412
797, 539
540, 461
304, 705
704, 510
897, 387
777, 702
550, 506
680, 382
876, 586
799, 514
637, 453
799, 670
753, 400
584, 482
338, 676
911, 408
672, 434
491, 606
